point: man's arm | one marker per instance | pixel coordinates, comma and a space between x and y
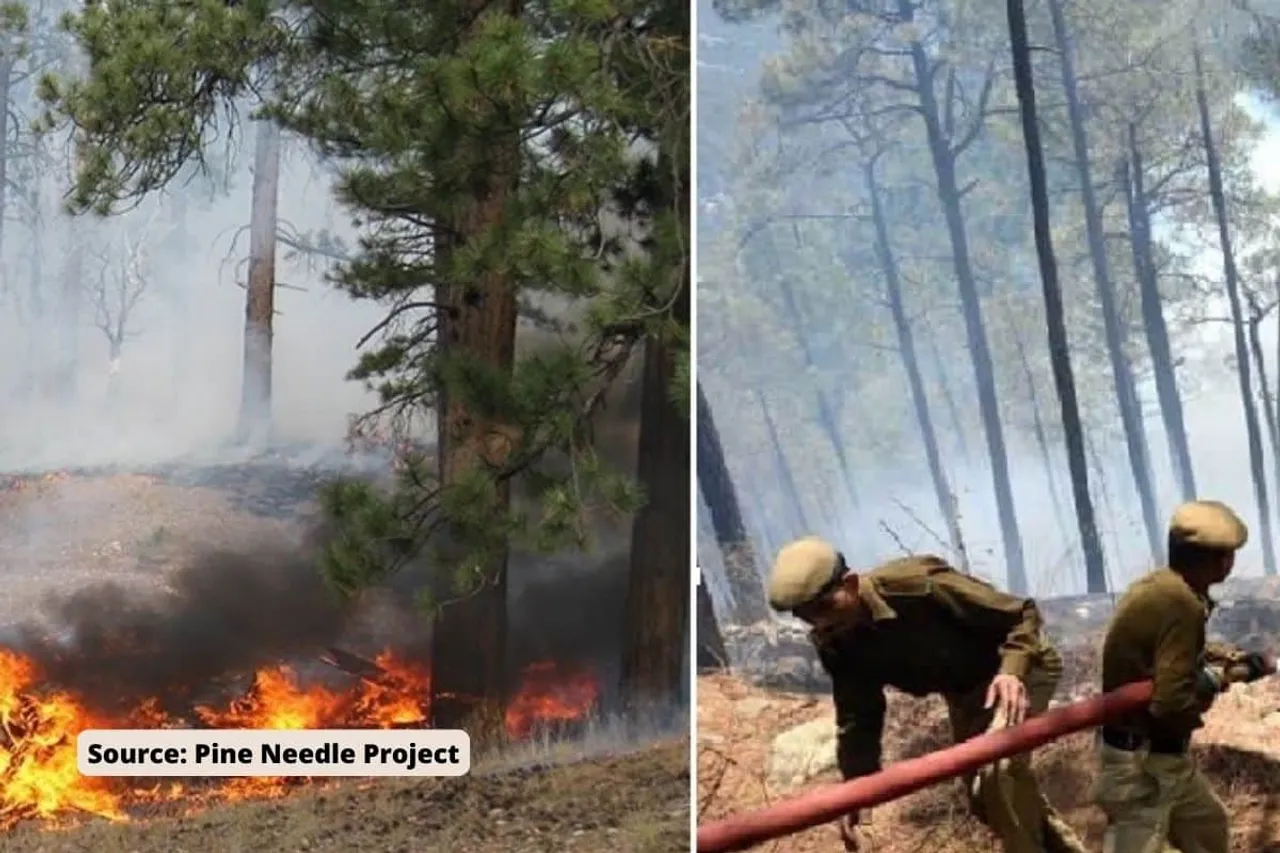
1175, 708
1235, 665
980, 604
860, 708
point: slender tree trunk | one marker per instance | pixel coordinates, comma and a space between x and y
826, 411
712, 654
790, 494
1121, 372
37, 319
740, 560
6, 96
1059, 351
1153, 322
911, 365
70, 296
1264, 390
1216, 194
657, 614
948, 395
1042, 439
971, 309
477, 324
259, 313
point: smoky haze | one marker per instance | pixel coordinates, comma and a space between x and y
794, 316
176, 388
166, 279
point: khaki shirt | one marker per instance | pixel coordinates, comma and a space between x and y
931, 630
1158, 632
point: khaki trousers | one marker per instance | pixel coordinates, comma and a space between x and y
1157, 802
1006, 796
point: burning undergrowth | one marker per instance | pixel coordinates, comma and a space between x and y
234, 640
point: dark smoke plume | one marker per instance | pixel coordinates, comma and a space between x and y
228, 612
224, 612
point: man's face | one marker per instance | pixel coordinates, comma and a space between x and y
1223, 569
837, 609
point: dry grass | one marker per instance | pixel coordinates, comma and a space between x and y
635, 803
1239, 748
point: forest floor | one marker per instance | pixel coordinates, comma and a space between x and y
630, 803
1239, 749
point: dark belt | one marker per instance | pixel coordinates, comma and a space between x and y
1130, 742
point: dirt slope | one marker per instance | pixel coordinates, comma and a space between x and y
1239, 748
636, 803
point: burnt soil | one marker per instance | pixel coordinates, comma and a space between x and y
636, 803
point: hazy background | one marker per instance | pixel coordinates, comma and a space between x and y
753, 165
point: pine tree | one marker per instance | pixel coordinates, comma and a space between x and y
494, 153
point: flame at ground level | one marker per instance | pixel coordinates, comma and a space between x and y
38, 727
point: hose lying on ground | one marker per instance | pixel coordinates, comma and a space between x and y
828, 802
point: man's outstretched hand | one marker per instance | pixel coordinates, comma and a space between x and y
1008, 696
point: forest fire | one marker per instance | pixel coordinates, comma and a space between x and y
38, 775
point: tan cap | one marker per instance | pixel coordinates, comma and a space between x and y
801, 570
1210, 524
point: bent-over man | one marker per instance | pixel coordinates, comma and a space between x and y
1148, 786
920, 626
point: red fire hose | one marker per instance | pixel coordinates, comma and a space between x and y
828, 802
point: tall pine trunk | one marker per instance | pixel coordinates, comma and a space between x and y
259, 304
827, 419
944, 166
1042, 438
1231, 276
657, 610
711, 654
1153, 322
740, 561
1059, 352
1121, 371
911, 365
6, 96
797, 517
477, 325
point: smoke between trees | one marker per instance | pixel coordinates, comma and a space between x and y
230, 611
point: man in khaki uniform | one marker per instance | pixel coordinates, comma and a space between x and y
920, 626
1148, 786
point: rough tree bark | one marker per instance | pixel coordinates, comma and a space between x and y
1059, 351
657, 610
1231, 276
741, 563
943, 152
911, 365
259, 304
476, 321
1153, 322
1121, 371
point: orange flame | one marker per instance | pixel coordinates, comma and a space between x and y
39, 778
